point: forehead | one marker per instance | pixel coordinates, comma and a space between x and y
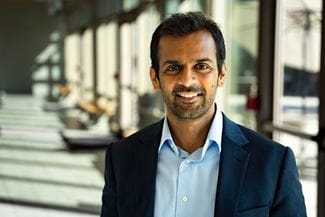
196, 45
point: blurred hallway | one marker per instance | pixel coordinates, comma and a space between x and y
9, 210
37, 169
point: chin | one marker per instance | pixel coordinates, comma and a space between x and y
190, 115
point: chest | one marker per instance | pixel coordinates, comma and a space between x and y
186, 185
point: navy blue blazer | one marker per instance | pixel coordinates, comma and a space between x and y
257, 176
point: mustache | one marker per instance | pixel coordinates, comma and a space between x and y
182, 88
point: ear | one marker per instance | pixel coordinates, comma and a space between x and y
222, 75
154, 79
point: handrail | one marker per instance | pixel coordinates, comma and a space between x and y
319, 138
270, 127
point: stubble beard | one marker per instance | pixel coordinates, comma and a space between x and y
189, 111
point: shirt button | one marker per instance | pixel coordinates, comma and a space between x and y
185, 199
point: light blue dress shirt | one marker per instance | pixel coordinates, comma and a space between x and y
186, 184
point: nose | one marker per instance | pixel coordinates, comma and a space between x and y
187, 77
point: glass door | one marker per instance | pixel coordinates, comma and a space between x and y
296, 101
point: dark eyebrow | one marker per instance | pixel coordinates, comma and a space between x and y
171, 62
203, 60
175, 62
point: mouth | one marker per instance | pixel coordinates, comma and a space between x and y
188, 97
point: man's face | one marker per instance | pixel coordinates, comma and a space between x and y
188, 74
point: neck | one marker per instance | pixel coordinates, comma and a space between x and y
190, 134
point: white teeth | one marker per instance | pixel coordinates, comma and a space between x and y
187, 94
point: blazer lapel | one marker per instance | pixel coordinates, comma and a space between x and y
232, 169
146, 154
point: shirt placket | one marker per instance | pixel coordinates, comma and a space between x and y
182, 197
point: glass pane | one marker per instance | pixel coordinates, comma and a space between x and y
241, 42
300, 65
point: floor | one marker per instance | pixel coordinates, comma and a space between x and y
9, 210
36, 168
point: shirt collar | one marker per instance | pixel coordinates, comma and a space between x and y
214, 134
166, 137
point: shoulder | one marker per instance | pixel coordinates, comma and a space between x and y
249, 139
255, 137
263, 148
272, 170
138, 137
252, 135
143, 142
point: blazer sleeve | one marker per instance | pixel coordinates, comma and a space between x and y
109, 198
289, 200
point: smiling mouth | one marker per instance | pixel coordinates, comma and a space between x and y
188, 95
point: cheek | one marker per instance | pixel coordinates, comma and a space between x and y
165, 89
210, 83
210, 88
210, 79
166, 84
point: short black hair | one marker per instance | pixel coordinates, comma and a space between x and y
182, 24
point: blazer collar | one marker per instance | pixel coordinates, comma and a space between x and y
146, 154
232, 169
233, 132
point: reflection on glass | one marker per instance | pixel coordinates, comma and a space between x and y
242, 53
301, 64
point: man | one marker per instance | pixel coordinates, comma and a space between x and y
196, 162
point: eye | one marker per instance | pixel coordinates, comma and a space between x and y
173, 69
202, 67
